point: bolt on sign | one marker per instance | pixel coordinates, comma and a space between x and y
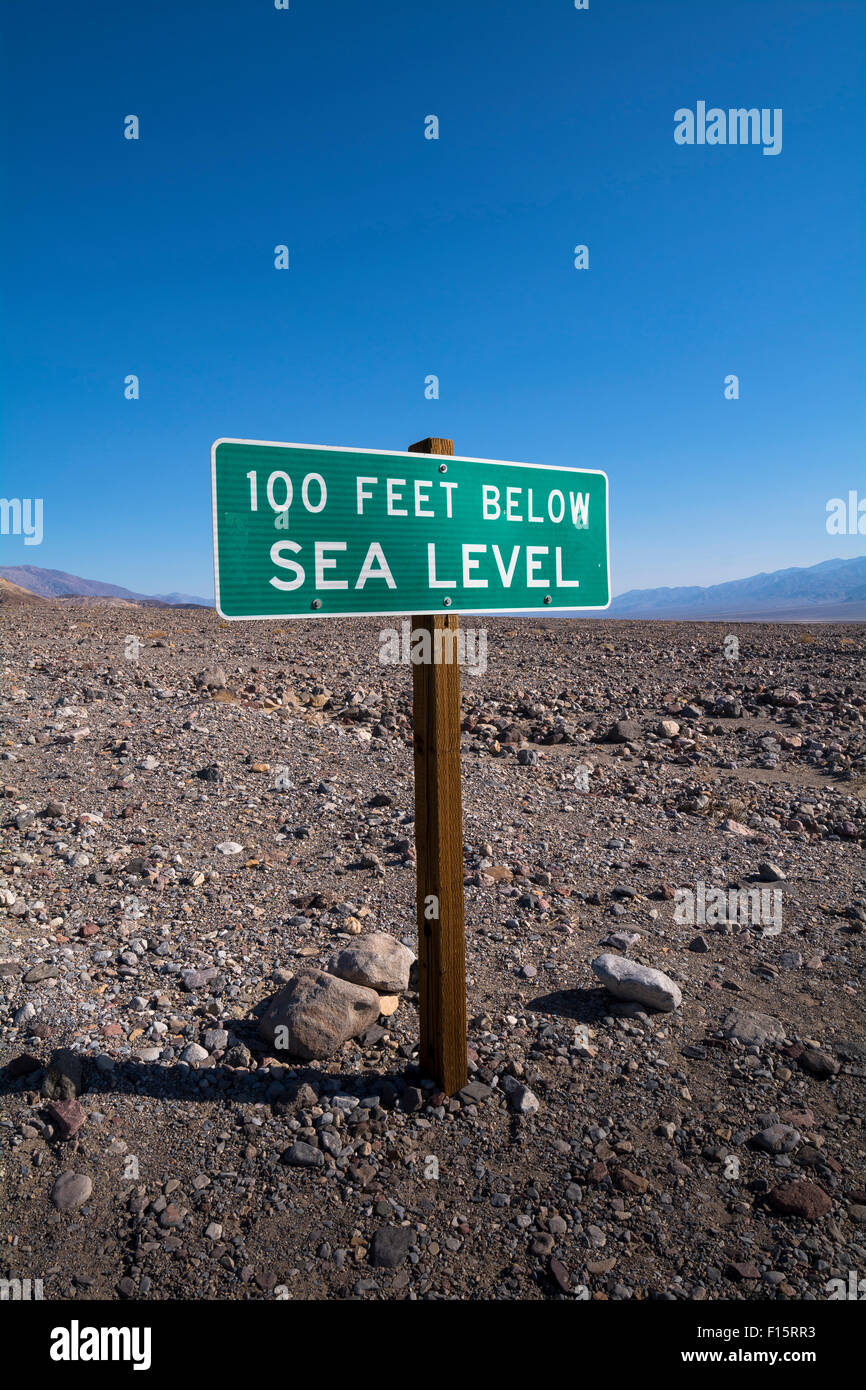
303, 529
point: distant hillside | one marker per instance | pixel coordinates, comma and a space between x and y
57, 584
102, 601
183, 600
13, 593
834, 589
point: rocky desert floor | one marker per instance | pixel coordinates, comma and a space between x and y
176, 846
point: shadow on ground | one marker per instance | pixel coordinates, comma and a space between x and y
177, 1081
582, 1005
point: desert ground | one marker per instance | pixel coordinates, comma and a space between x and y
194, 812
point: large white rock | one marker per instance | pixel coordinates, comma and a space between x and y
315, 1013
377, 961
627, 980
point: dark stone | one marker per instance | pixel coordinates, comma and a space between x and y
390, 1246
819, 1064
63, 1079
623, 731
40, 973
475, 1092
373, 1035
301, 1155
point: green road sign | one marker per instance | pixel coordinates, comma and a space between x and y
303, 530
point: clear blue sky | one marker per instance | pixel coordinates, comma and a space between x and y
411, 256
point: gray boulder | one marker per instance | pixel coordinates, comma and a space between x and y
315, 1013
520, 1099
376, 961
776, 1139
627, 980
301, 1155
753, 1029
71, 1190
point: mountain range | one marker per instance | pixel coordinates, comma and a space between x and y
59, 585
834, 590
831, 590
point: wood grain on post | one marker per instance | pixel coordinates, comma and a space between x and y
439, 844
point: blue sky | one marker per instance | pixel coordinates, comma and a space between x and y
412, 257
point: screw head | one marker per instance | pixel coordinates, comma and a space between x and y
317, 603
446, 602
443, 468
547, 598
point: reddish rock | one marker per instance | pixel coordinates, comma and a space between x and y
597, 1173
804, 1199
742, 1270
800, 1119
67, 1117
112, 1030
630, 1182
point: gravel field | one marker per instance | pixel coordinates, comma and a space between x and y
194, 813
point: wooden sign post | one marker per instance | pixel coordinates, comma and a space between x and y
439, 842
312, 530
